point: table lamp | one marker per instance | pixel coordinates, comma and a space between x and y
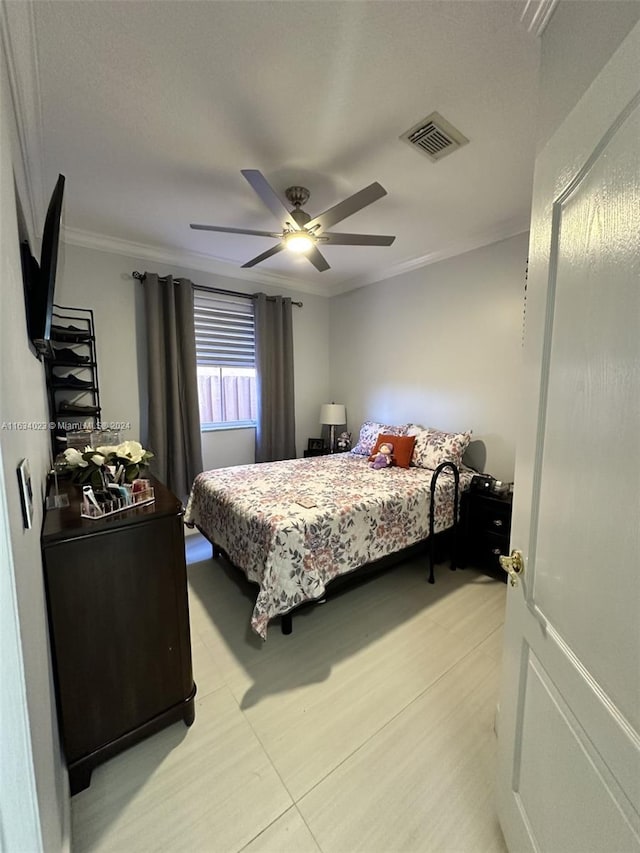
333, 414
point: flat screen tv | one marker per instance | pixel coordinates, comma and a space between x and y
40, 279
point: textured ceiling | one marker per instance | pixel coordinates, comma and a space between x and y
151, 109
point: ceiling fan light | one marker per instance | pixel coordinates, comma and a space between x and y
298, 242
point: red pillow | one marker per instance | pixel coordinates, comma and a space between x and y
402, 448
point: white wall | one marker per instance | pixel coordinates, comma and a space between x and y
577, 43
102, 281
440, 346
30, 747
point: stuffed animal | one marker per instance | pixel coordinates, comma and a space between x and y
384, 457
344, 442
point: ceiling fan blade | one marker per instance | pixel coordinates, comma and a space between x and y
234, 230
268, 196
333, 239
263, 257
317, 259
348, 207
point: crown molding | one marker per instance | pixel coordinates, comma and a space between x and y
537, 14
205, 263
460, 247
181, 258
19, 42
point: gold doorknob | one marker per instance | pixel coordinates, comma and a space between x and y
513, 566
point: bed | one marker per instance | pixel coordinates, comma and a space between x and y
295, 526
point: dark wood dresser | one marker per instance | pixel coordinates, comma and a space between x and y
485, 524
119, 627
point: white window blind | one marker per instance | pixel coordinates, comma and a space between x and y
225, 330
225, 353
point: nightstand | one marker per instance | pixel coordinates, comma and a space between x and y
485, 525
324, 451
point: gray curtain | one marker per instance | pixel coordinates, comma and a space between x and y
275, 433
174, 418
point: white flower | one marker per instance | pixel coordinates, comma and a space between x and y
131, 450
74, 459
106, 449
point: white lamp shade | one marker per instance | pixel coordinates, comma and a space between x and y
333, 413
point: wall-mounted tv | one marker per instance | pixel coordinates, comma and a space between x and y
40, 279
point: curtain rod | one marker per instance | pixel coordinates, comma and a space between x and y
140, 276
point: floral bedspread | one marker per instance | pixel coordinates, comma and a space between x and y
354, 515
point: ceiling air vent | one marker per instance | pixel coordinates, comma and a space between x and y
435, 137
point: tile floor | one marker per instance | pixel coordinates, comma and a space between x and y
369, 729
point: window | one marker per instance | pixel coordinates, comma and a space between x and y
225, 353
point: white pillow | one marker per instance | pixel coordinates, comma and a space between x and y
433, 447
369, 432
415, 429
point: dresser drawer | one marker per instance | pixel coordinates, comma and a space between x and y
491, 545
491, 517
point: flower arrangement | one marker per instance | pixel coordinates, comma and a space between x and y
97, 465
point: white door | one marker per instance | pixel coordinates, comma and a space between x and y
569, 723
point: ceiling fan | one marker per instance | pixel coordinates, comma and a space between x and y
299, 232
